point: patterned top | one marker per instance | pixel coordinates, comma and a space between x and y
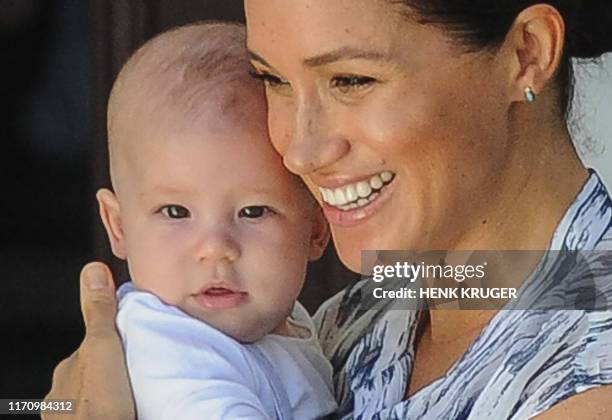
523, 363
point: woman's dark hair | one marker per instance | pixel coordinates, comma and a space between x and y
483, 24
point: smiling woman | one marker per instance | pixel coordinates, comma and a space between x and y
425, 125
350, 99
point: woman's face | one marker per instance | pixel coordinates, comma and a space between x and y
400, 134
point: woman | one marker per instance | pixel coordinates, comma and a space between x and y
459, 109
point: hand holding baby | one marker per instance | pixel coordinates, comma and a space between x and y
95, 374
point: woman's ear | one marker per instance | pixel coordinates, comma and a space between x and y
110, 213
535, 43
320, 235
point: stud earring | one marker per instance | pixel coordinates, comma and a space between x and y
530, 94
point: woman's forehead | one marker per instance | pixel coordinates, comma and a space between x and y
284, 38
314, 22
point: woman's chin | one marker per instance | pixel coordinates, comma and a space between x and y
351, 260
350, 246
350, 250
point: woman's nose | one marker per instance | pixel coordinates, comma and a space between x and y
312, 144
217, 245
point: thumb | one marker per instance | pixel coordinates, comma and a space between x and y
98, 300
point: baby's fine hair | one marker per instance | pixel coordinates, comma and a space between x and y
178, 68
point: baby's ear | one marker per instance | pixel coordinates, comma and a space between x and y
110, 213
320, 235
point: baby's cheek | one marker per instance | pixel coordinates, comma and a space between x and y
156, 266
271, 256
284, 274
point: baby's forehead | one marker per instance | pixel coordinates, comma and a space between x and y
226, 120
232, 112
211, 164
229, 96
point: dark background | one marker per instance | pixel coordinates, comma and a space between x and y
59, 59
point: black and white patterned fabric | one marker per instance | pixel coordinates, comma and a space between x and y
523, 363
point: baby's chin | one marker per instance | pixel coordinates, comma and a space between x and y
244, 328
243, 335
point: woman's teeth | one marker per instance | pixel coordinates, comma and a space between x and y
358, 194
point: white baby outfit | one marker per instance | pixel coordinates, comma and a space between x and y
182, 368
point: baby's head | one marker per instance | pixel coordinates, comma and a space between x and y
203, 209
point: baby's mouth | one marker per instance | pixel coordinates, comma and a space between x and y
358, 194
220, 297
218, 291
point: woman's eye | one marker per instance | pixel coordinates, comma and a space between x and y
346, 84
174, 211
254, 212
269, 79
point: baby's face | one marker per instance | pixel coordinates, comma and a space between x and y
213, 223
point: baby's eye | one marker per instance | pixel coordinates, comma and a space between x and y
348, 83
254, 212
174, 211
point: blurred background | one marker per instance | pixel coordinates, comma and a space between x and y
59, 59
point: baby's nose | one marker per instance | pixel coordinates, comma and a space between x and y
216, 246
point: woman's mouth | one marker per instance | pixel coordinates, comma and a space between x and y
354, 202
358, 194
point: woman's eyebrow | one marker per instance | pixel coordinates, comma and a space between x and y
344, 53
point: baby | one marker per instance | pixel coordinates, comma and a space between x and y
217, 235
